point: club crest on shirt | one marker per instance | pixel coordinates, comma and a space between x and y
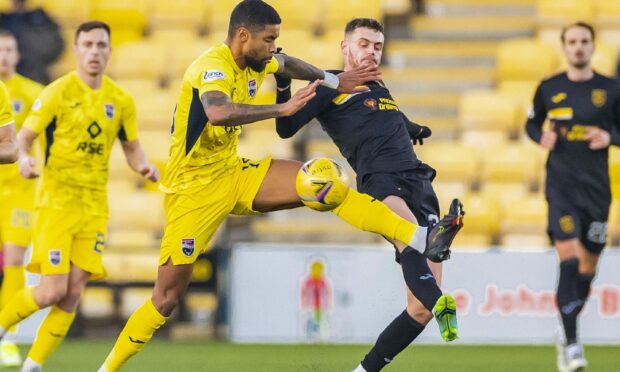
187, 246
599, 97
371, 103
252, 88
17, 106
108, 108
54, 257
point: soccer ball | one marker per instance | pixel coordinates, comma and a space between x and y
321, 184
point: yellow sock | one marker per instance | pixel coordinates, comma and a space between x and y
14, 280
51, 333
137, 332
369, 214
21, 306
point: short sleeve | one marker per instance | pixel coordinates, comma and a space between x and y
217, 75
6, 115
272, 66
43, 110
129, 125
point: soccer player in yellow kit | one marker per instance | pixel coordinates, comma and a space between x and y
16, 193
8, 142
206, 180
80, 114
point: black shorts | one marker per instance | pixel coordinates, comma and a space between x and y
573, 217
413, 186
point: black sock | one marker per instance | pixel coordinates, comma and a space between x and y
584, 282
396, 337
568, 303
419, 277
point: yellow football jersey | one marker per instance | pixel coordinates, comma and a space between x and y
80, 125
22, 93
200, 151
6, 116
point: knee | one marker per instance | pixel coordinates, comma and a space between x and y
165, 301
418, 312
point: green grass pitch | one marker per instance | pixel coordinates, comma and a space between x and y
160, 355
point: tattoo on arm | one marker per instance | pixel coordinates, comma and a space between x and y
221, 111
295, 68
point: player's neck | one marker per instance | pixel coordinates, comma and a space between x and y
237, 53
580, 74
4, 76
92, 81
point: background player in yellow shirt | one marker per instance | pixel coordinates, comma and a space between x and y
80, 114
8, 142
206, 180
16, 193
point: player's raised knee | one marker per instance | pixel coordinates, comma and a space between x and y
322, 184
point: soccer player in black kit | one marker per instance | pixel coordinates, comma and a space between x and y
584, 111
376, 139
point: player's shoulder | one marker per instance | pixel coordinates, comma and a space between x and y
606, 81
29, 84
559, 78
213, 64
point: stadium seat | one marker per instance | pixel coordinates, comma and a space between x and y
133, 298
481, 139
218, 14
257, 143
139, 60
488, 110
338, 13
561, 12
525, 59
523, 241
97, 303
155, 109
465, 240
522, 92
137, 210
126, 17
614, 165
527, 215
70, 13
607, 14
298, 14
510, 163
504, 194
482, 214
453, 161
397, 7
119, 170
178, 14
446, 191
123, 267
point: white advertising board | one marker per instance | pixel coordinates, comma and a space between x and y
310, 293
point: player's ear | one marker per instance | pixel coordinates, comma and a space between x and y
343, 47
244, 34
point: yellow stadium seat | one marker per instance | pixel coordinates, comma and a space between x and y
338, 13
484, 138
397, 7
482, 215
136, 210
510, 163
446, 191
504, 194
561, 12
607, 13
465, 240
218, 14
136, 240
525, 59
298, 14
178, 14
526, 215
127, 18
139, 60
454, 161
614, 165
318, 148
256, 144
155, 110
97, 303
68, 12
487, 110
119, 170
133, 298
522, 92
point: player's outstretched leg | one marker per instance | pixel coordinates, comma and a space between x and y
441, 235
172, 281
13, 282
445, 314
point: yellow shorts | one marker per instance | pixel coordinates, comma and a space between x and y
192, 220
64, 237
16, 211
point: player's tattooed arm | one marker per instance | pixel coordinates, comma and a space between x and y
295, 68
221, 111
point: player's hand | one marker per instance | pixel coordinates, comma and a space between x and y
423, 132
299, 99
599, 138
549, 138
149, 172
352, 81
26, 167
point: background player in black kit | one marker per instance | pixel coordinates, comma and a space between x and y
584, 110
375, 138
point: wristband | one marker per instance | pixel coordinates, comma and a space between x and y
330, 80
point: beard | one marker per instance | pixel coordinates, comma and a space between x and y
255, 64
581, 65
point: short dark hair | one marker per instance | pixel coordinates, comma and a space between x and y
585, 25
92, 25
6, 33
253, 15
356, 23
